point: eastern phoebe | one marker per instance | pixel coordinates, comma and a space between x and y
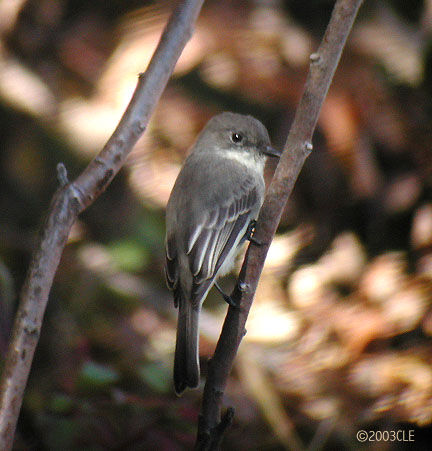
217, 195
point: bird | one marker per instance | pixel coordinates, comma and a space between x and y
211, 211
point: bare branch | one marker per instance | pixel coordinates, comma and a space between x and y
323, 64
71, 199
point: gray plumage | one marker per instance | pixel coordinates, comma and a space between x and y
218, 192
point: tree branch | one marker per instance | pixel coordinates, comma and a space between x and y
71, 199
323, 64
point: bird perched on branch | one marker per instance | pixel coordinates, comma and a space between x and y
211, 211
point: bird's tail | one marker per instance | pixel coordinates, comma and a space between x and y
186, 359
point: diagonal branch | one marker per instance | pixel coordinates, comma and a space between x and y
323, 64
71, 199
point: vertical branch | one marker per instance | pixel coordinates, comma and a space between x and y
323, 64
70, 200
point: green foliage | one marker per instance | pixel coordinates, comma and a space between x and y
128, 255
94, 375
157, 375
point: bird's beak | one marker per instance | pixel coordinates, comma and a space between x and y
271, 152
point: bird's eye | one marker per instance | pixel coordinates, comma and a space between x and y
236, 138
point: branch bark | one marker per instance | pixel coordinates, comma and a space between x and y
71, 199
323, 64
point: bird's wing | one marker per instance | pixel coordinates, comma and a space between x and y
214, 237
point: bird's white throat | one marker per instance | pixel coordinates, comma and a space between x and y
255, 164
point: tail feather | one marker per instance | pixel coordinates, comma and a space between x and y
186, 360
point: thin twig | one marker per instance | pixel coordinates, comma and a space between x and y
323, 64
71, 199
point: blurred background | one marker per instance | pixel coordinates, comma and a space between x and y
339, 336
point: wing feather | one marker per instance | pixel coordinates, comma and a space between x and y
207, 268
200, 250
171, 267
221, 242
193, 238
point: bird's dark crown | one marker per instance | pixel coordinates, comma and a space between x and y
235, 132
